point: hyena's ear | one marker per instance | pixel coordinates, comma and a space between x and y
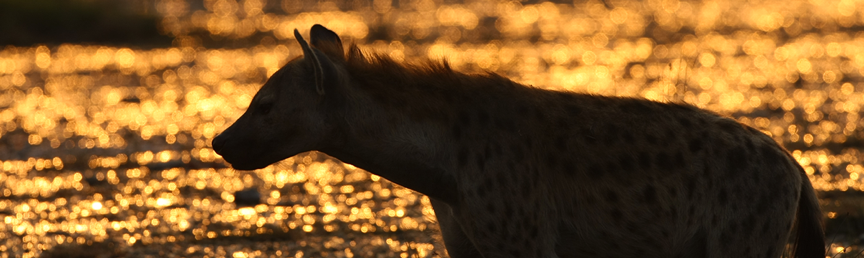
323, 69
327, 41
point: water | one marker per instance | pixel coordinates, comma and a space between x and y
106, 150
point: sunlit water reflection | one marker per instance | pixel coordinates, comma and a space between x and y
110, 146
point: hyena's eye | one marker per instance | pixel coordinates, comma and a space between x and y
264, 108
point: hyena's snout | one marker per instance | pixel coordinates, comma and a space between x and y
219, 143
237, 152
229, 152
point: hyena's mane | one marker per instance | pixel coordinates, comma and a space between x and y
429, 89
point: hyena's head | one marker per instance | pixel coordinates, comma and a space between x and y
290, 114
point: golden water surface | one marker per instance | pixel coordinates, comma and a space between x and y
109, 147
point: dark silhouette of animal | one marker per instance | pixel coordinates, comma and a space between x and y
516, 171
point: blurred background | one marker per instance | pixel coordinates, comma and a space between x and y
107, 110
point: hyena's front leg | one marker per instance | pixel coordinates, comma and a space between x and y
458, 244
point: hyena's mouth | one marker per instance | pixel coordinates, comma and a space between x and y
239, 162
219, 144
229, 154
241, 158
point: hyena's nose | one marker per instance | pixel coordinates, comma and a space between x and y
219, 143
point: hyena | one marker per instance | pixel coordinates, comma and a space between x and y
517, 171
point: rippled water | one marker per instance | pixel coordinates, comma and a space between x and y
106, 150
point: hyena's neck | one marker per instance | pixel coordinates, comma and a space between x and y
400, 121
407, 152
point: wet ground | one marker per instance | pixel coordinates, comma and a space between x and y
105, 149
